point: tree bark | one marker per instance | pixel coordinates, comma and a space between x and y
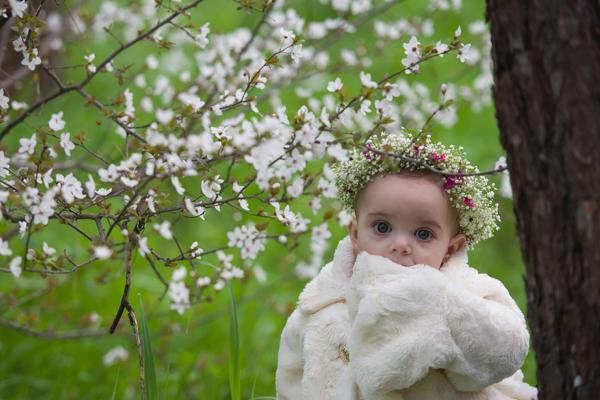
547, 69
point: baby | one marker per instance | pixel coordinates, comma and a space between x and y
398, 313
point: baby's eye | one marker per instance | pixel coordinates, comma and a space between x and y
423, 234
382, 227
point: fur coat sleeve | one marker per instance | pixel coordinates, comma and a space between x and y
408, 321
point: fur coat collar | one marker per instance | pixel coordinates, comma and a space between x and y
367, 329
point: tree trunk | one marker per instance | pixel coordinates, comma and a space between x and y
547, 70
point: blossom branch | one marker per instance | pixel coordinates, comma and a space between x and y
85, 81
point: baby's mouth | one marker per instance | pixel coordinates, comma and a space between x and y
404, 263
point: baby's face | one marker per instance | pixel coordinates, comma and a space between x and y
407, 219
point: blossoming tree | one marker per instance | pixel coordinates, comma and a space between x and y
164, 126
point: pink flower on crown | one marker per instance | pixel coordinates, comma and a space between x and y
450, 182
369, 155
438, 157
469, 202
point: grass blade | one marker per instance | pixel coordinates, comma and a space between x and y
114, 393
149, 372
234, 348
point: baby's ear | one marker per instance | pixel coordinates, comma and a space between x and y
456, 244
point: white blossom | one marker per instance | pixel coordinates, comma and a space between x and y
15, 266
103, 191
102, 252
296, 53
4, 165
344, 218
259, 274
143, 246
19, 45
27, 145
340, 5
22, 228
282, 116
337, 151
179, 274
191, 100
203, 281
248, 239
296, 188
56, 122
441, 48
220, 284
89, 58
196, 211
114, 355
109, 174
366, 80
365, 107
465, 53
457, 32
321, 233
164, 116
412, 46
315, 204
31, 59
335, 86
18, 105
66, 143
49, 251
195, 251
244, 204
201, 38
95, 318
4, 249
411, 62
45, 178
70, 187
211, 188
151, 61
177, 185
164, 229
505, 186
287, 36
90, 186
179, 295
18, 7
3, 100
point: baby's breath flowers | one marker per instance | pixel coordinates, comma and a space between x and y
472, 196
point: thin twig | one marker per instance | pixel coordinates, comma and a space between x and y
125, 295
50, 334
138, 345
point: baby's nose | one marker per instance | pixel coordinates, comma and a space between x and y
401, 245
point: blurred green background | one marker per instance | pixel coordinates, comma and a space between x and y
191, 351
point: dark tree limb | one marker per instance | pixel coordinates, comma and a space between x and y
546, 68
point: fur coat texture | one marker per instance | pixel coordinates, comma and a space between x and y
367, 329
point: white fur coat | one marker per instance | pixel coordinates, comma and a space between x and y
372, 330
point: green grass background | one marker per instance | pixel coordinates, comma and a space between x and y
191, 352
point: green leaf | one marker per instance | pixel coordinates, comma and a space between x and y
149, 372
234, 348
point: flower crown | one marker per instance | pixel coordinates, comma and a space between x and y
471, 196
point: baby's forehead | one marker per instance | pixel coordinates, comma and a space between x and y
420, 196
